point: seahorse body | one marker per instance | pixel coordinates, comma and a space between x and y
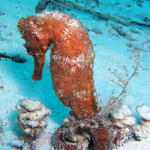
71, 58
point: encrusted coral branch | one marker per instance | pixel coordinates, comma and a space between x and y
71, 58
32, 116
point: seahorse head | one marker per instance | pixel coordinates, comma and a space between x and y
33, 30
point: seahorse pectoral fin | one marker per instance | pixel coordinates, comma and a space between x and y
38, 66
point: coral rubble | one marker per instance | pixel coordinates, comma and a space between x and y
42, 142
123, 123
142, 131
32, 116
122, 117
90, 134
144, 112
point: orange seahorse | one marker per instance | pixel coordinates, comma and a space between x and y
71, 58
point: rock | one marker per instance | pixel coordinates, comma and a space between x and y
128, 121
32, 116
141, 132
145, 123
123, 136
43, 142
123, 122
121, 113
144, 112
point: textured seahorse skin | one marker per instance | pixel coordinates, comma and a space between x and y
71, 58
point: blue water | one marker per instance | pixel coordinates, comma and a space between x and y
111, 42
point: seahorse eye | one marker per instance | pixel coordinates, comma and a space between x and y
27, 45
28, 49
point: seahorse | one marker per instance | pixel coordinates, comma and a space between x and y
71, 58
